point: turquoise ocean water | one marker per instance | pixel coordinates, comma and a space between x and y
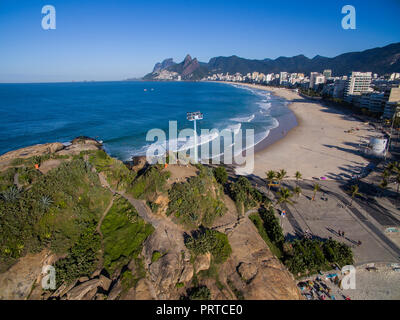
121, 113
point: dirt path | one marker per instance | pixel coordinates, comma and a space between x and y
16, 181
98, 229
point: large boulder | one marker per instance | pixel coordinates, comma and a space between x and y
202, 262
17, 282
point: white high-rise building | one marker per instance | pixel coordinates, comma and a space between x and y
358, 83
313, 76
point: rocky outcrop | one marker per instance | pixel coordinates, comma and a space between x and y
189, 66
36, 150
163, 65
253, 270
202, 262
173, 266
18, 281
247, 271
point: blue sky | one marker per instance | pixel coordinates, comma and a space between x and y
113, 40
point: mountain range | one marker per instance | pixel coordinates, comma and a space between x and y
380, 60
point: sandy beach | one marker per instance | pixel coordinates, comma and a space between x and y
319, 146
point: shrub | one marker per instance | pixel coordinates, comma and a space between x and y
309, 256
155, 256
124, 233
206, 240
196, 201
200, 293
221, 175
272, 226
53, 211
258, 222
244, 195
150, 183
82, 258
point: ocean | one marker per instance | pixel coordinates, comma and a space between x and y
121, 113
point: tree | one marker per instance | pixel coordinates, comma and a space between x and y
280, 175
354, 191
316, 188
221, 175
271, 175
297, 191
284, 196
298, 176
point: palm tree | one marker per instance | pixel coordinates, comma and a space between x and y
284, 196
298, 176
270, 178
297, 191
316, 188
354, 191
386, 174
280, 175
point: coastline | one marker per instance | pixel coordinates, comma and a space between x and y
320, 145
287, 122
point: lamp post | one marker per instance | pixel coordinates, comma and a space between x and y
194, 116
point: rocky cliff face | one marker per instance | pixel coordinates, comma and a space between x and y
163, 65
188, 69
252, 270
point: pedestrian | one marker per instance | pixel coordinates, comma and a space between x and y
340, 233
343, 234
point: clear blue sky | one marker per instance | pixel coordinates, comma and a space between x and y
112, 40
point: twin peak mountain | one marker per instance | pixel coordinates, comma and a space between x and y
383, 60
188, 69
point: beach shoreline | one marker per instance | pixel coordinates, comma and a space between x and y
324, 143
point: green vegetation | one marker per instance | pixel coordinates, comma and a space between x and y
82, 258
284, 196
256, 219
117, 174
309, 256
129, 279
199, 293
53, 212
221, 175
354, 192
316, 188
244, 195
206, 240
124, 233
7, 179
272, 226
151, 182
271, 177
197, 201
300, 256
155, 256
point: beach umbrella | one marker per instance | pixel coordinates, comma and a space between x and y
323, 178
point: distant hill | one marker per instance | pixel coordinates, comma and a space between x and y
378, 60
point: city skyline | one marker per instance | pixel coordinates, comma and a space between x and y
100, 41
